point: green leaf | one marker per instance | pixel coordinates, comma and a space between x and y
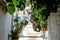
28, 3
16, 2
10, 8
21, 8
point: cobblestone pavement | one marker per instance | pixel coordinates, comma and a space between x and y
29, 34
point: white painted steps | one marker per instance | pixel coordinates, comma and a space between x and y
28, 31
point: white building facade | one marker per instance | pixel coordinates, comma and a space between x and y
5, 24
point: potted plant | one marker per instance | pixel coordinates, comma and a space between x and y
35, 19
36, 25
18, 28
14, 35
44, 25
15, 32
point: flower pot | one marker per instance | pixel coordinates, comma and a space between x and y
15, 38
44, 29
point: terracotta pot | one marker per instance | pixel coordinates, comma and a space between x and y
44, 29
15, 38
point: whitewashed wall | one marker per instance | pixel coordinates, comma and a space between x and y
54, 26
5, 25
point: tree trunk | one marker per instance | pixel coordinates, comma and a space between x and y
54, 26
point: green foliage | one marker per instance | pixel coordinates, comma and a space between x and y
49, 5
19, 26
17, 30
28, 3
36, 24
41, 8
22, 5
9, 1
44, 24
40, 14
16, 2
10, 8
25, 22
14, 33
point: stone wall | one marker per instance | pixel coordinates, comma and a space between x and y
54, 26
